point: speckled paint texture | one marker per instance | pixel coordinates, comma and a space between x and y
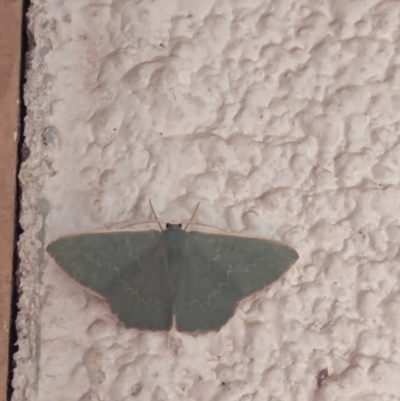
282, 119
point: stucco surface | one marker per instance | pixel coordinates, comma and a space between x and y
282, 119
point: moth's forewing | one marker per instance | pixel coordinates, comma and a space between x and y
125, 268
221, 270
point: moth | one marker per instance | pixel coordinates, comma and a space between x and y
153, 279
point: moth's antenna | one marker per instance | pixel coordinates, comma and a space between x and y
152, 208
195, 210
131, 224
198, 223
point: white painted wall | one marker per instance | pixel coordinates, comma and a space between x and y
282, 118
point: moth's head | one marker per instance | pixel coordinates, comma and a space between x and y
173, 227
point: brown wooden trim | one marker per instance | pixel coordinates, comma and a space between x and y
10, 59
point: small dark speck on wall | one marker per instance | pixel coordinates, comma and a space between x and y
25, 153
321, 376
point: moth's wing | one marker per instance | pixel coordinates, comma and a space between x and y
219, 271
127, 268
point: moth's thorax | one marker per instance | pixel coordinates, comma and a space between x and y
174, 237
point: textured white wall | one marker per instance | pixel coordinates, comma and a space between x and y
282, 118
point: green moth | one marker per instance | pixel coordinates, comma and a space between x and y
153, 278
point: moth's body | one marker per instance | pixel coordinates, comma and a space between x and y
170, 248
148, 277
